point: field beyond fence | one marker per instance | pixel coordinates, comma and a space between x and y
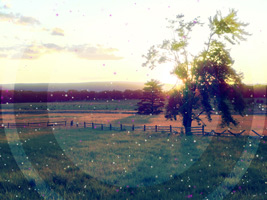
197, 130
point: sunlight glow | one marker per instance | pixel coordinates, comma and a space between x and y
102, 41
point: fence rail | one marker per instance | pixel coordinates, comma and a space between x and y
199, 130
34, 124
155, 128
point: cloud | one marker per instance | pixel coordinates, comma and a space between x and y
27, 21
84, 51
94, 53
6, 6
3, 49
6, 17
35, 51
57, 31
45, 29
25, 56
18, 19
2, 55
52, 46
29, 52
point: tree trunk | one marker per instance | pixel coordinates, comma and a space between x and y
187, 114
187, 120
187, 126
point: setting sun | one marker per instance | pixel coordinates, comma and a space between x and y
84, 42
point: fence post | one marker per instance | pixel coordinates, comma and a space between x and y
102, 127
144, 127
84, 124
8, 125
65, 123
257, 134
121, 127
202, 129
156, 128
92, 125
171, 128
71, 123
133, 127
110, 127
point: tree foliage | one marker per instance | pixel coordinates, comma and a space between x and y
152, 101
209, 80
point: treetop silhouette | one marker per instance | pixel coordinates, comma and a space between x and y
209, 81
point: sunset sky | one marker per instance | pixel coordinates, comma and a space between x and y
88, 41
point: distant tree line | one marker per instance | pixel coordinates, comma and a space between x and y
256, 91
10, 96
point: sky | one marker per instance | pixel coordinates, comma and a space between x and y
66, 41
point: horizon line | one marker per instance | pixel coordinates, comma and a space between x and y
106, 82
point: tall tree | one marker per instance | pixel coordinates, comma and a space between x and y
209, 80
152, 101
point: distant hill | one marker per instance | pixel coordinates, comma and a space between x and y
90, 86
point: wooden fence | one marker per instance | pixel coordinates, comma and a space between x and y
195, 130
34, 124
199, 130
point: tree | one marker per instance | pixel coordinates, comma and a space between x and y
152, 100
209, 80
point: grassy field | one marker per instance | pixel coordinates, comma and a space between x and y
248, 123
84, 105
91, 164
76, 163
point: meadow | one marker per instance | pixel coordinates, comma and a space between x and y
84, 163
93, 164
73, 105
120, 112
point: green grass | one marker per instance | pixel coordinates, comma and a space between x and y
78, 164
136, 119
84, 105
43, 117
130, 158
